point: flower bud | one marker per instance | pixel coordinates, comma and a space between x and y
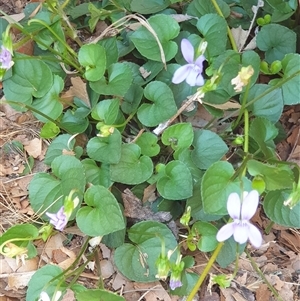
259, 184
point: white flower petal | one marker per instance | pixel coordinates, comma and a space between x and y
199, 80
225, 232
192, 77
44, 297
199, 62
254, 236
234, 205
240, 233
187, 50
249, 205
181, 74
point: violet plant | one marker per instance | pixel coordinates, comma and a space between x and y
131, 122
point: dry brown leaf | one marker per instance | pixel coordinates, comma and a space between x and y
17, 281
229, 105
78, 89
263, 293
34, 147
107, 269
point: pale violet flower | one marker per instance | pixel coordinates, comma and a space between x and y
192, 71
45, 297
5, 58
175, 283
59, 220
241, 213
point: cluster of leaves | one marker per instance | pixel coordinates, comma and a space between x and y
128, 72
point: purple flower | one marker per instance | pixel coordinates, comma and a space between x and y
241, 213
5, 58
58, 220
174, 283
191, 72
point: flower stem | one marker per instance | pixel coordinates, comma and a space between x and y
231, 38
205, 272
260, 273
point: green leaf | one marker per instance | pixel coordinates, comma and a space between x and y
279, 213
95, 174
199, 8
263, 132
148, 144
132, 168
234, 63
119, 81
228, 252
269, 106
47, 192
75, 121
58, 146
102, 215
178, 136
105, 149
107, 110
50, 103
177, 183
277, 41
275, 177
49, 130
110, 45
163, 106
98, 295
25, 233
217, 184
132, 99
208, 148
148, 7
207, 233
93, 58
137, 261
42, 281
31, 78
214, 29
291, 88
166, 29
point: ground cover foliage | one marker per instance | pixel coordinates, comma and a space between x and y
117, 86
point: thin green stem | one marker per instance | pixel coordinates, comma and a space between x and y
205, 271
231, 38
260, 273
271, 89
243, 107
269, 227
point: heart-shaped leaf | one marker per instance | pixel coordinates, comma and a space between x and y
119, 81
269, 106
132, 168
177, 183
42, 281
207, 236
50, 103
47, 192
98, 294
93, 58
178, 136
277, 41
208, 148
107, 110
166, 29
217, 184
279, 213
163, 106
137, 261
31, 78
275, 177
105, 149
102, 215
214, 29
148, 144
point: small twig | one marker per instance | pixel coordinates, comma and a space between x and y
260, 273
